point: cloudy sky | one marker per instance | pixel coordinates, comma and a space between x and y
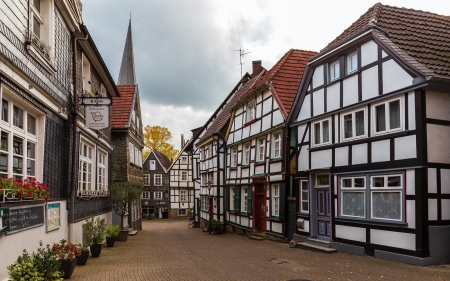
184, 50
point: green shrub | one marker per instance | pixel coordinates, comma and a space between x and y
94, 230
217, 226
112, 230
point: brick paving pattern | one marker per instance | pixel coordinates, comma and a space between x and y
168, 250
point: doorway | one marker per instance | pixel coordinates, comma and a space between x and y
323, 213
259, 206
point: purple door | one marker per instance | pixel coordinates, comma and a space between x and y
323, 213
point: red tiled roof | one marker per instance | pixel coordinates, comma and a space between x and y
224, 115
284, 78
121, 106
421, 38
163, 160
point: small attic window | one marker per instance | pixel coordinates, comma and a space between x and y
352, 62
250, 112
334, 70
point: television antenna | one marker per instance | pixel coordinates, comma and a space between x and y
242, 52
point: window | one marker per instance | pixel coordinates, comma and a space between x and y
334, 70
184, 159
352, 62
5, 111
380, 195
86, 75
233, 157
147, 179
184, 175
206, 153
40, 30
353, 124
17, 117
157, 195
304, 201
102, 161
158, 179
250, 112
276, 147
182, 212
146, 195
321, 132
85, 172
260, 146
387, 116
232, 200
246, 159
244, 199
152, 165
204, 203
183, 196
275, 200
31, 124
131, 152
103, 90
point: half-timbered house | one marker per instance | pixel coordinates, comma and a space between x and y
371, 124
255, 164
155, 197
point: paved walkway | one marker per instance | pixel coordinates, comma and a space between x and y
168, 250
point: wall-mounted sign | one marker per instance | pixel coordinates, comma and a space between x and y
4, 224
25, 218
96, 101
322, 180
97, 117
53, 216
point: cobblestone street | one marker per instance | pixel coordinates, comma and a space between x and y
168, 250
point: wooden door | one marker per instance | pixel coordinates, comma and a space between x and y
323, 213
260, 208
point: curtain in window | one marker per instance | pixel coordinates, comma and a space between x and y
359, 123
394, 114
317, 133
348, 126
386, 205
326, 131
381, 118
353, 203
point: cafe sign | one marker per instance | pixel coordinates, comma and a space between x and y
97, 117
322, 180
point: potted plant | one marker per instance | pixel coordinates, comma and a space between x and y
66, 253
42, 265
123, 194
82, 259
112, 230
95, 232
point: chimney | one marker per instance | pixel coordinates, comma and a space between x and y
182, 141
257, 67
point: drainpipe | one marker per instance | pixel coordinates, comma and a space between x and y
74, 134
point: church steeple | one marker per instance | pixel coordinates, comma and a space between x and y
127, 75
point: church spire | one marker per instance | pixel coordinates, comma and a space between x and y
127, 75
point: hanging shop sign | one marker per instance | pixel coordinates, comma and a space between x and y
96, 101
97, 117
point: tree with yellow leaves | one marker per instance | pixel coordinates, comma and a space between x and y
157, 137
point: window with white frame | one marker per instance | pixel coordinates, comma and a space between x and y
147, 179
184, 159
157, 195
246, 158
146, 195
86, 75
321, 132
40, 31
136, 156
233, 157
204, 203
157, 179
182, 212
250, 112
131, 152
152, 165
352, 62
304, 200
261, 144
276, 147
184, 176
276, 200
354, 124
232, 195
244, 199
387, 116
85, 172
183, 196
372, 197
102, 165
334, 70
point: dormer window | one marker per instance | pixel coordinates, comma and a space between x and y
250, 112
352, 62
334, 70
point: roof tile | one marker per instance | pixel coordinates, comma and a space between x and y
121, 106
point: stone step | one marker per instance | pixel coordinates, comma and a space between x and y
132, 232
319, 242
257, 238
312, 247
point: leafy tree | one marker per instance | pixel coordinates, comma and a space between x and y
157, 137
123, 194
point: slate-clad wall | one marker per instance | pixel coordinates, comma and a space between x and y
120, 155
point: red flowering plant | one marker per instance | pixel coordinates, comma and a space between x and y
8, 188
32, 189
65, 251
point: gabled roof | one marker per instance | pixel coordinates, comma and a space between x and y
284, 78
127, 75
224, 115
122, 106
421, 38
162, 159
183, 149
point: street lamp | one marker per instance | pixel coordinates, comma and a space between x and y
209, 206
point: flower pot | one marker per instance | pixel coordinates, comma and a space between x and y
67, 267
81, 260
123, 236
110, 241
96, 249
